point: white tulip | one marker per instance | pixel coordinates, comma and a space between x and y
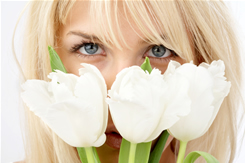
73, 107
207, 89
142, 105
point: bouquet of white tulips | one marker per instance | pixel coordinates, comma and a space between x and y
141, 98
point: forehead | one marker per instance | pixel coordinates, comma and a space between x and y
121, 23
102, 21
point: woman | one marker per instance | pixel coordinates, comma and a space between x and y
113, 35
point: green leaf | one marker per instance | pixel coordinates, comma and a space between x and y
191, 157
55, 61
88, 155
134, 153
157, 151
146, 66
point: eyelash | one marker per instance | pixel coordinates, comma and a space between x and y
76, 47
174, 55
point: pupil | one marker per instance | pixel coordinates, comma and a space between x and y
91, 48
159, 51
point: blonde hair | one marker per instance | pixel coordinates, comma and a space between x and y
196, 30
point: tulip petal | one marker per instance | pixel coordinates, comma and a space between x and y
63, 105
207, 91
217, 68
74, 122
134, 115
69, 80
200, 115
93, 70
143, 101
124, 80
100, 141
36, 95
60, 91
172, 66
96, 93
177, 103
90, 75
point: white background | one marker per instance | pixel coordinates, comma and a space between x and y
11, 140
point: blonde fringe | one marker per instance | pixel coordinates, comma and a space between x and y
195, 30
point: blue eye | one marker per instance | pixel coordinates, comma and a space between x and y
90, 49
159, 52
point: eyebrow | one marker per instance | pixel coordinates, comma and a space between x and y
84, 35
95, 38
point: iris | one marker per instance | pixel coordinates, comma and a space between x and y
91, 48
158, 51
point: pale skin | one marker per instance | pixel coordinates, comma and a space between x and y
110, 61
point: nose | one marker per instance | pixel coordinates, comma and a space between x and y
113, 67
116, 65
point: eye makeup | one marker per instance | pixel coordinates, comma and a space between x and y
75, 49
171, 56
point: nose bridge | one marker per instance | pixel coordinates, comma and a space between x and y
118, 61
124, 59
122, 63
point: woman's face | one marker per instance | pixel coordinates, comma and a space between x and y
75, 47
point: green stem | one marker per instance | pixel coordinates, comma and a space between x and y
89, 153
132, 152
158, 149
181, 154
